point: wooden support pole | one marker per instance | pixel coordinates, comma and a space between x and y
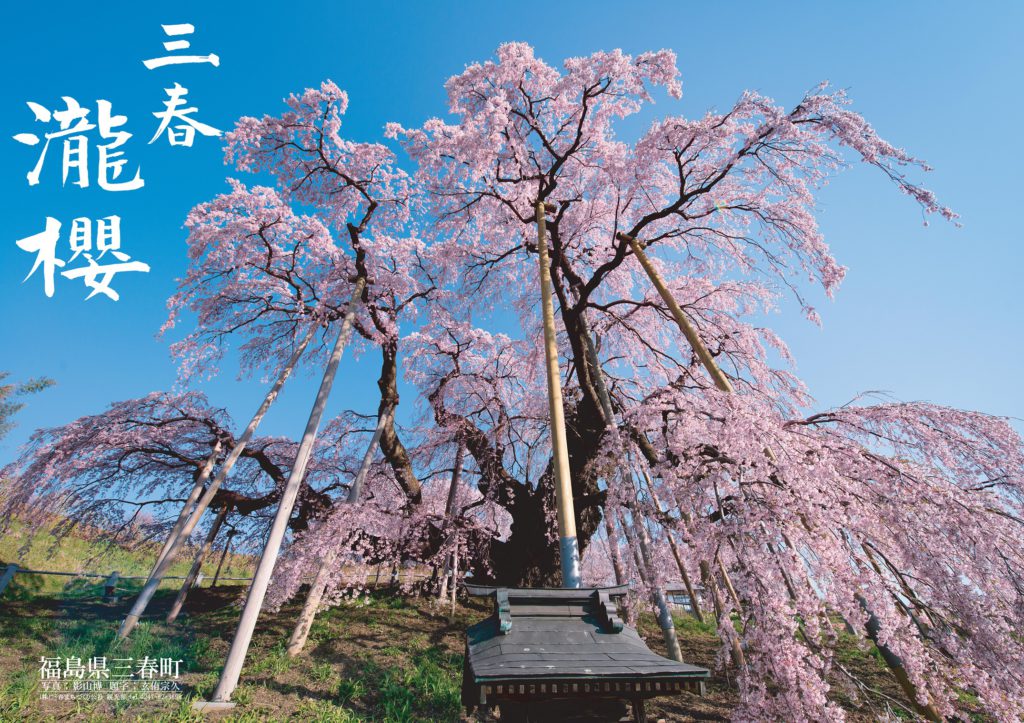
639, 710
568, 546
717, 376
355, 492
874, 626
728, 584
449, 511
617, 566
189, 506
597, 374
736, 650
193, 574
695, 604
319, 585
223, 556
639, 537
665, 620
261, 579
455, 580
149, 589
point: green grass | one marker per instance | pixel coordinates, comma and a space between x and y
18, 694
409, 679
421, 689
380, 657
320, 711
76, 553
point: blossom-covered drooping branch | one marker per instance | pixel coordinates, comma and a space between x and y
125, 473
908, 514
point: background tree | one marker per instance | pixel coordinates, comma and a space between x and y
9, 393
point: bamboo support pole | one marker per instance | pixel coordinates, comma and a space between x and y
568, 546
261, 579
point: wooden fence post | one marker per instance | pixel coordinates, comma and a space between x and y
9, 572
110, 587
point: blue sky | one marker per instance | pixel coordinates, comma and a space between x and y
924, 314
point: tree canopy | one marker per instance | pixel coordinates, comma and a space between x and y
904, 521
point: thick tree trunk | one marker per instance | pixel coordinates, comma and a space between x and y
390, 444
525, 558
149, 589
197, 565
261, 578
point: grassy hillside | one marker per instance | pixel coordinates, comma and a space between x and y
77, 553
383, 658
